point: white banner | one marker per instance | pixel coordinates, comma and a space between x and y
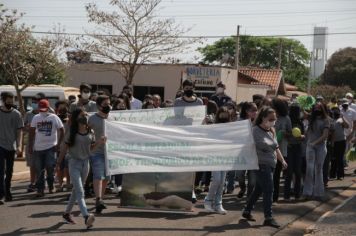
135, 148
193, 115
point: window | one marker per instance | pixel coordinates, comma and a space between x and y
141, 91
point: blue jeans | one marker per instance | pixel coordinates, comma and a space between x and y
78, 172
264, 185
251, 180
44, 160
313, 183
216, 187
6, 163
98, 167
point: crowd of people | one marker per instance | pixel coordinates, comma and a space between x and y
306, 147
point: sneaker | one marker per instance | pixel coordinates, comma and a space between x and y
8, 197
68, 218
247, 215
51, 190
2, 202
31, 188
194, 200
40, 194
89, 220
99, 206
271, 222
220, 210
241, 193
59, 189
208, 207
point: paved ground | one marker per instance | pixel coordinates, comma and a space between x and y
341, 221
28, 216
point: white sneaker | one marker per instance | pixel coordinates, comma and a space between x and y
89, 220
220, 210
208, 207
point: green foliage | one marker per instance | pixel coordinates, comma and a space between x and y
341, 68
262, 52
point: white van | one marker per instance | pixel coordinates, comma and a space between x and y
52, 92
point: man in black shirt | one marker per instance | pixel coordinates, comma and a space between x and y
220, 97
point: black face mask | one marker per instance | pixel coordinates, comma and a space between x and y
63, 117
345, 106
9, 106
336, 115
188, 93
106, 109
318, 113
83, 120
63, 111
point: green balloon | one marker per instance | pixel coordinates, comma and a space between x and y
279, 136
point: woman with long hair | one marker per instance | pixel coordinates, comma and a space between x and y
283, 129
294, 157
317, 135
268, 153
248, 112
213, 201
78, 143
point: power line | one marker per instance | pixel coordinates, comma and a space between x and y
217, 15
193, 37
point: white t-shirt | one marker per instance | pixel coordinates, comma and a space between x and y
46, 130
350, 116
136, 104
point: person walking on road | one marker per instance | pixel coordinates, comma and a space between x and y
267, 153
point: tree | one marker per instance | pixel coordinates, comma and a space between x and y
132, 35
25, 60
261, 52
328, 91
341, 68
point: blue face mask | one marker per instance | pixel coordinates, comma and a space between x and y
34, 106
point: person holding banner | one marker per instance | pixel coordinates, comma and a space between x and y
188, 98
213, 201
267, 152
78, 141
100, 179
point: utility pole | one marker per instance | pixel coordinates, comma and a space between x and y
280, 54
311, 71
237, 59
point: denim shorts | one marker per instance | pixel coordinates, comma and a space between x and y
98, 167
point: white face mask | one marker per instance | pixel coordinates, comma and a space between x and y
270, 124
220, 90
85, 95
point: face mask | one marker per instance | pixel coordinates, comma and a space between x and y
34, 106
85, 95
318, 113
106, 109
270, 124
63, 117
220, 90
336, 115
188, 93
63, 111
83, 120
129, 94
8, 106
345, 106
44, 113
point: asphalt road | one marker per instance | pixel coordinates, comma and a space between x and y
28, 216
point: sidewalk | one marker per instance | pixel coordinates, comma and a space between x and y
339, 222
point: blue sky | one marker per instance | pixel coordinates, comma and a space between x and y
215, 18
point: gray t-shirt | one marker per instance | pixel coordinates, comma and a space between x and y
81, 148
266, 145
316, 131
181, 102
88, 107
10, 122
28, 117
339, 131
97, 124
284, 125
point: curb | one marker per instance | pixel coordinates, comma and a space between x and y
313, 228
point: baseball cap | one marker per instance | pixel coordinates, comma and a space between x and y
43, 105
349, 95
220, 84
345, 101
